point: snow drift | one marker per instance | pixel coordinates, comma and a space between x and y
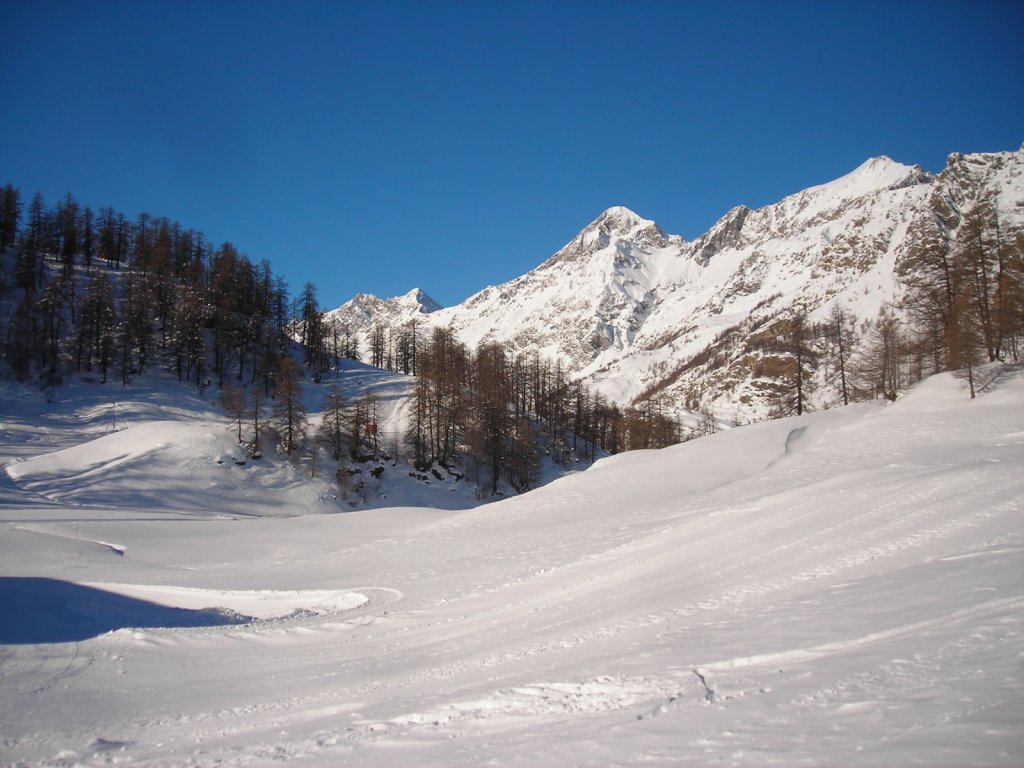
845, 587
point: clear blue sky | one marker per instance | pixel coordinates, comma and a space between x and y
381, 146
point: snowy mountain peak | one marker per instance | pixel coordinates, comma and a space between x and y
364, 310
873, 175
417, 297
620, 219
617, 225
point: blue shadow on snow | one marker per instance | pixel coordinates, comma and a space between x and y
35, 610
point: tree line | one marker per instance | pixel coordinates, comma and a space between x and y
481, 412
504, 409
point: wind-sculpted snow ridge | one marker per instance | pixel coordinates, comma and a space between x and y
843, 588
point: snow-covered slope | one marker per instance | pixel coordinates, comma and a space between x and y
128, 447
627, 306
844, 588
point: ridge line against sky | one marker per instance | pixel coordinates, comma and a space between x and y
374, 148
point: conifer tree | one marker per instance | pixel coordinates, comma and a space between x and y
839, 333
927, 275
88, 244
10, 216
289, 408
332, 427
95, 331
49, 310
69, 245
801, 348
256, 411
877, 365
377, 345
489, 409
18, 350
28, 269
235, 406
310, 308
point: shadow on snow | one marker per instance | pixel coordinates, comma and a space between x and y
36, 610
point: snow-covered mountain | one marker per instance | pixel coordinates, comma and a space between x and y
361, 312
635, 310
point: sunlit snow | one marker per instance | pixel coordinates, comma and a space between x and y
843, 588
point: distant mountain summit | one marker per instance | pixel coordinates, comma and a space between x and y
617, 224
636, 311
361, 312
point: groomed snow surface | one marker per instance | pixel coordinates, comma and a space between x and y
844, 588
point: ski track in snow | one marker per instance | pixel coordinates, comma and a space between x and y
851, 594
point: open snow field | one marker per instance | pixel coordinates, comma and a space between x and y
842, 588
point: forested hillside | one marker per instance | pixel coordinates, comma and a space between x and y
96, 295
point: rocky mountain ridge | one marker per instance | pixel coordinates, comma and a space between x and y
630, 308
362, 311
